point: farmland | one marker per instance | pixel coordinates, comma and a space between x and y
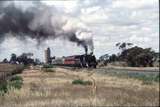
9, 69
7, 78
83, 87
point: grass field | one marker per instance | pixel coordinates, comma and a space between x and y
57, 87
10, 69
7, 78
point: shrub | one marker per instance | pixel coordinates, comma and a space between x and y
16, 78
15, 82
48, 70
81, 82
137, 56
48, 66
77, 81
3, 88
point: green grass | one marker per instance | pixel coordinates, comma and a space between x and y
81, 82
3, 87
146, 79
48, 66
15, 82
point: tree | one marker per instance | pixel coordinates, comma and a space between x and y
138, 56
123, 46
37, 61
13, 58
104, 59
113, 58
5, 60
24, 59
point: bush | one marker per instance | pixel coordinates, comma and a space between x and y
48, 70
48, 66
81, 82
15, 82
137, 56
16, 78
3, 88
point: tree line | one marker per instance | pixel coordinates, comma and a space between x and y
24, 58
134, 56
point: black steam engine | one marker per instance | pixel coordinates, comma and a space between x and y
84, 61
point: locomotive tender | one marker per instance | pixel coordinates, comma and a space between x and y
83, 61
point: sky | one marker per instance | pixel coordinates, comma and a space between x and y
110, 21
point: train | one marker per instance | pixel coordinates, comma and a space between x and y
82, 61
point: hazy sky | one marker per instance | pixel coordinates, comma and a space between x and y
111, 21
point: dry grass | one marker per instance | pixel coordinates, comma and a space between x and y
48, 89
9, 69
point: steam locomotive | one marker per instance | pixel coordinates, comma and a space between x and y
83, 61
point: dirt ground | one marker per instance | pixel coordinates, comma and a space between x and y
49, 89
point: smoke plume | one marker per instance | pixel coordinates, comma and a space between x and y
41, 22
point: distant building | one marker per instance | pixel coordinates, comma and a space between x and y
48, 55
